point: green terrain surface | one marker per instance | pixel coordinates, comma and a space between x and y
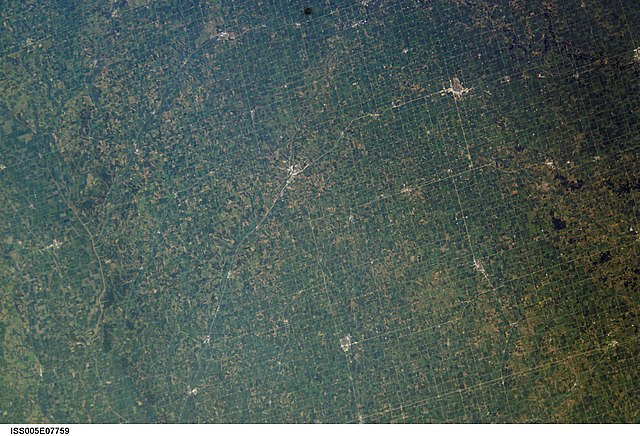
336, 211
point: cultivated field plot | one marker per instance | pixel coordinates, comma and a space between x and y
336, 211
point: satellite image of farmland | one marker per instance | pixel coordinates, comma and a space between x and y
323, 211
